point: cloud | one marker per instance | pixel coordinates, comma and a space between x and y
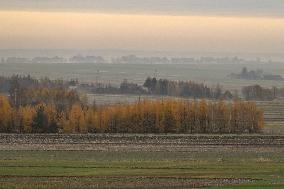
76, 30
214, 7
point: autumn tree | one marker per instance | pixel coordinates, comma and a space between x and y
40, 120
26, 115
5, 114
77, 122
147, 116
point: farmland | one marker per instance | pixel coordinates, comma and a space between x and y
141, 161
274, 116
145, 161
115, 73
132, 94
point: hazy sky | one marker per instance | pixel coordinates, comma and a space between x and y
171, 25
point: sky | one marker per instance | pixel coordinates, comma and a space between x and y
160, 25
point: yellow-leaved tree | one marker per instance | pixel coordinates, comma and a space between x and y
5, 114
77, 122
26, 114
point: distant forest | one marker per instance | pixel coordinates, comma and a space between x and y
190, 89
45, 106
256, 92
151, 86
17, 87
164, 87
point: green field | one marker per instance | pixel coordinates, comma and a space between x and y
200, 167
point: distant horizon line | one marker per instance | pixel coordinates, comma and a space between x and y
135, 50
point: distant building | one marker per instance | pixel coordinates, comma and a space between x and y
255, 75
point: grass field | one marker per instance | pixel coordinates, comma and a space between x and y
197, 166
102, 169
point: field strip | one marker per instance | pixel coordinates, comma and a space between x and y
101, 142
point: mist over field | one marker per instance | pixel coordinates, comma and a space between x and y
223, 27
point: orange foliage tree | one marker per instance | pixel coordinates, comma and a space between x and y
157, 116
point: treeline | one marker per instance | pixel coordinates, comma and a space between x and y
17, 82
125, 87
256, 92
60, 97
36, 109
170, 116
25, 90
153, 86
185, 89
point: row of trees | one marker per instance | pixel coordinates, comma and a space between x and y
164, 87
185, 89
177, 116
124, 88
170, 116
27, 81
256, 92
24, 90
61, 97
